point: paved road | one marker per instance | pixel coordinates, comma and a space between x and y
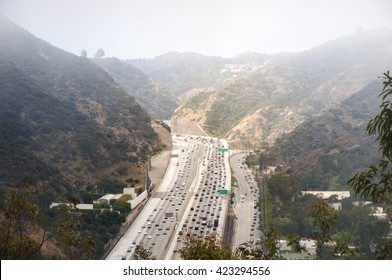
245, 203
186, 202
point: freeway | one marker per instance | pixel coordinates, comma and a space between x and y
191, 199
245, 203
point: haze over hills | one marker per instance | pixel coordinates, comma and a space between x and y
272, 100
325, 151
64, 121
69, 123
148, 93
181, 72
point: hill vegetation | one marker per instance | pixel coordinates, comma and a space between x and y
325, 151
182, 72
270, 101
64, 122
156, 101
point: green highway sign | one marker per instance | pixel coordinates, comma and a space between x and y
223, 191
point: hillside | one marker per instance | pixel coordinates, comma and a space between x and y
64, 122
182, 72
325, 151
273, 100
156, 101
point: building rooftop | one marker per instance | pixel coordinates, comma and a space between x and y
327, 194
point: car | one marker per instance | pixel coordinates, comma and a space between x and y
134, 242
149, 237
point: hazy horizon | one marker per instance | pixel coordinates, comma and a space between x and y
146, 29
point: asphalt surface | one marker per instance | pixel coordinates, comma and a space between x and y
246, 197
190, 200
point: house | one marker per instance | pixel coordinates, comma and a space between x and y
379, 213
309, 246
328, 194
336, 206
109, 198
78, 206
130, 191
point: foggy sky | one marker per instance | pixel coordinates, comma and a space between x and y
147, 28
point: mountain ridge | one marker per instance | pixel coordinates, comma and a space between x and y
325, 151
272, 100
65, 122
180, 72
148, 93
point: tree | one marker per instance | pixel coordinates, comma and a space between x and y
122, 206
376, 181
141, 253
76, 244
323, 217
266, 249
342, 250
206, 248
83, 53
20, 223
100, 53
293, 240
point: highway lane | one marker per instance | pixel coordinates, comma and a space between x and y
206, 212
178, 200
246, 197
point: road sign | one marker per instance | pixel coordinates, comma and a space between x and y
223, 191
